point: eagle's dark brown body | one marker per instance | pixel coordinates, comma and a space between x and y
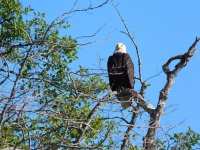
120, 72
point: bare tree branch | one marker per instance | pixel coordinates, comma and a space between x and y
149, 140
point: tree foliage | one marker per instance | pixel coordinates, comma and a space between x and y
188, 140
43, 104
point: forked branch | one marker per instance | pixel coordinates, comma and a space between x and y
149, 140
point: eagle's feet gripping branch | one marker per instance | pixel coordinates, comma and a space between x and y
128, 96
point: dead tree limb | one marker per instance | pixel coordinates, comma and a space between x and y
154, 123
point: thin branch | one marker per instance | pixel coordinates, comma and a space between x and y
153, 76
88, 119
130, 127
72, 10
120, 118
132, 40
86, 9
91, 35
13, 90
6, 71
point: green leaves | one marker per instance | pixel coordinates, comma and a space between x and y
186, 140
37, 56
11, 21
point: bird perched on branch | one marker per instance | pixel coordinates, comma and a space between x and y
121, 72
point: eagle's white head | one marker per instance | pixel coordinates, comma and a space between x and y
120, 48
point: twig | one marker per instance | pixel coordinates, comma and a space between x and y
91, 35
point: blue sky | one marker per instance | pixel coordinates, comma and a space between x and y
161, 29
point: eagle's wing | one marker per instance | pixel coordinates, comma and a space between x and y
130, 69
109, 68
109, 64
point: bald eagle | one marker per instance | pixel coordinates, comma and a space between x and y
120, 71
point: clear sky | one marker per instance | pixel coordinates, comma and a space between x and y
161, 29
